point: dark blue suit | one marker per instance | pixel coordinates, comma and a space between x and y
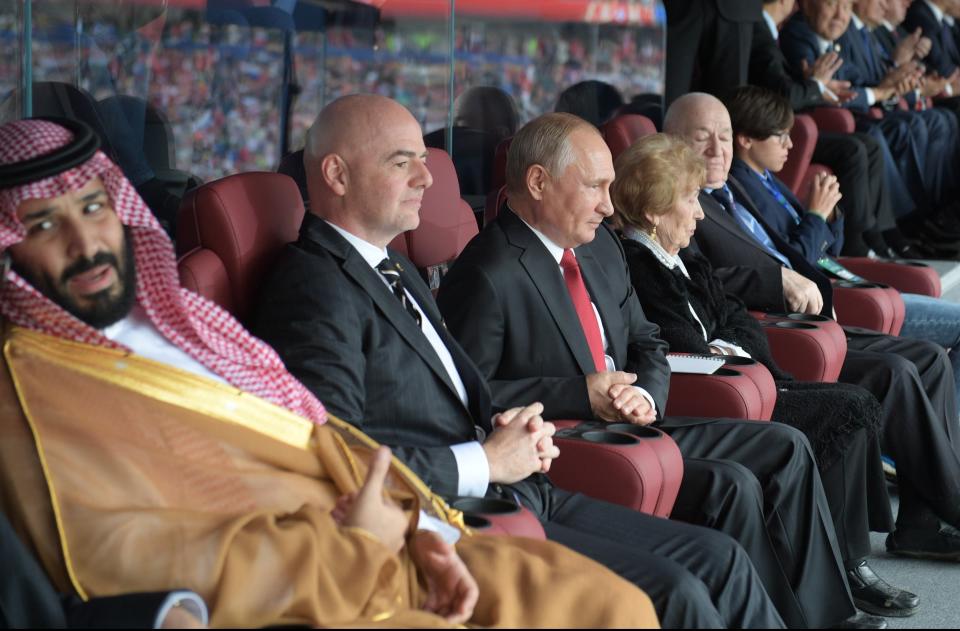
906, 134
944, 55
812, 236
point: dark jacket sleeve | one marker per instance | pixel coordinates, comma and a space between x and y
768, 68
475, 313
318, 325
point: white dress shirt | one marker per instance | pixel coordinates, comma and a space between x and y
139, 334
557, 253
472, 466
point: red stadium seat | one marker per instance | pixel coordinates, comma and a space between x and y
869, 305
446, 221
810, 347
637, 467
622, 131
743, 388
230, 230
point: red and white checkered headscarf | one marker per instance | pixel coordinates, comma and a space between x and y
194, 324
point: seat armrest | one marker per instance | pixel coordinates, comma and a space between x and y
869, 305
497, 516
745, 392
637, 467
810, 347
910, 277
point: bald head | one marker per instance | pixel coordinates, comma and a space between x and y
366, 167
703, 121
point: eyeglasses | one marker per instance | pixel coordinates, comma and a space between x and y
783, 137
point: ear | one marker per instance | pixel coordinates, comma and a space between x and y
536, 181
742, 142
653, 220
333, 170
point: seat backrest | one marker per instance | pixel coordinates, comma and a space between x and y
446, 221
292, 166
158, 139
622, 131
54, 98
230, 231
804, 136
473, 155
498, 175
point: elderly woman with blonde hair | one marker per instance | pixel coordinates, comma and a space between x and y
655, 196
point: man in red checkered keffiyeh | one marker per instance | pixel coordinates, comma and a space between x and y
145, 259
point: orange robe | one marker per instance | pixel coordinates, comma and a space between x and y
126, 475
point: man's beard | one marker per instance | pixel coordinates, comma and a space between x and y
101, 309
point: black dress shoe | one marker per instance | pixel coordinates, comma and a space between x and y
942, 545
874, 595
862, 620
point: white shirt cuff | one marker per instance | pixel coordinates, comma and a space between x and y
871, 97
473, 469
447, 532
646, 395
737, 350
948, 89
189, 601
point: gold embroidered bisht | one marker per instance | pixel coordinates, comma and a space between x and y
128, 475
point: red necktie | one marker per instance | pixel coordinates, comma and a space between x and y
581, 302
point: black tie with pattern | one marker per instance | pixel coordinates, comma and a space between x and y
391, 271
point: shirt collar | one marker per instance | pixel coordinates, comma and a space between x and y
823, 44
889, 27
937, 11
857, 22
655, 248
948, 19
555, 250
372, 254
771, 25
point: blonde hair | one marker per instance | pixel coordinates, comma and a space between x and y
545, 141
651, 176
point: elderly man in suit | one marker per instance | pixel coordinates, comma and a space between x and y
357, 325
911, 378
542, 302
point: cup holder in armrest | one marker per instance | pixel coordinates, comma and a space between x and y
608, 438
803, 317
846, 284
792, 325
726, 372
736, 360
640, 431
634, 466
498, 516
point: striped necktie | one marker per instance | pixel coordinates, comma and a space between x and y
391, 271
725, 196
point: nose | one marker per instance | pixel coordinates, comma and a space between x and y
789, 144
422, 178
698, 213
605, 207
82, 239
713, 146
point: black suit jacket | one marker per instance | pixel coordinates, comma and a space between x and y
506, 302
744, 267
28, 599
769, 69
944, 56
342, 332
733, 10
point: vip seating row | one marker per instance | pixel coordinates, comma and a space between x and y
230, 230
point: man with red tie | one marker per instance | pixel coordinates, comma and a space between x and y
542, 302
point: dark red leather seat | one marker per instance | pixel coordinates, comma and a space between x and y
229, 231
625, 129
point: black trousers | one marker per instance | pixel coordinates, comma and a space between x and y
696, 577
729, 464
842, 423
913, 380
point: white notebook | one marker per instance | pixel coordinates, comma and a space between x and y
695, 364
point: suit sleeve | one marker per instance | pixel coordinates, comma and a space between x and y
318, 325
476, 316
768, 69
